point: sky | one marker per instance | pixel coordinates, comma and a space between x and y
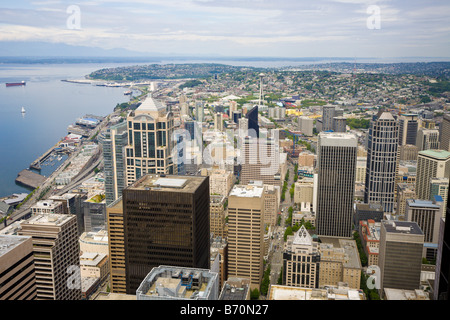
245, 28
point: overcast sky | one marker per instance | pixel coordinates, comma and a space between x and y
282, 28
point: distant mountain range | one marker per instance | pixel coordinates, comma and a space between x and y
45, 49
53, 53
37, 52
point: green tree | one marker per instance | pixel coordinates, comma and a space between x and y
280, 277
264, 287
254, 294
362, 254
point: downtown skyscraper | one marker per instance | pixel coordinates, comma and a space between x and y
383, 141
113, 140
149, 149
160, 220
336, 184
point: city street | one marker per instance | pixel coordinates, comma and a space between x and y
276, 256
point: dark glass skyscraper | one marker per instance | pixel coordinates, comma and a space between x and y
252, 117
166, 222
442, 279
408, 127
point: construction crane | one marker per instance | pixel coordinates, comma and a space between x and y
295, 137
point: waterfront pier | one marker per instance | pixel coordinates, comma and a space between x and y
37, 163
30, 179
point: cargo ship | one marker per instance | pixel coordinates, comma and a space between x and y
15, 84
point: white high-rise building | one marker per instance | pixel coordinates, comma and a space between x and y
336, 167
382, 154
306, 125
431, 164
427, 139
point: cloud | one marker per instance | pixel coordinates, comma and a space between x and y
250, 26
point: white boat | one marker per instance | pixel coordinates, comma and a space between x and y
23, 110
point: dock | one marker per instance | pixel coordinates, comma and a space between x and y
37, 163
30, 179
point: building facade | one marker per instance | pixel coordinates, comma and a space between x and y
113, 140
400, 260
246, 233
17, 269
427, 139
166, 221
217, 215
150, 145
336, 184
431, 164
56, 253
260, 161
444, 133
301, 260
408, 127
383, 141
116, 245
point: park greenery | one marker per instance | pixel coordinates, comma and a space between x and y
371, 294
190, 84
291, 229
355, 123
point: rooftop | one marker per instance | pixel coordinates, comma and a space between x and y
151, 105
168, 183
402, 227
235, 289
52, 219
115, 296
279, 292
9, 242
346, 246
167, 282
91, 258
417, 203
302, 237
438, 154
249, 191
400, 294
338, 139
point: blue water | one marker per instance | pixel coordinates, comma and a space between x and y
51, 106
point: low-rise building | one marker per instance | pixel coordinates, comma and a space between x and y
339, 263
369, 231
280, 292
235, 289
176, 283
94, 265
402, 294
94, 242
219, 258
304, 191
405, 191
47, 206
